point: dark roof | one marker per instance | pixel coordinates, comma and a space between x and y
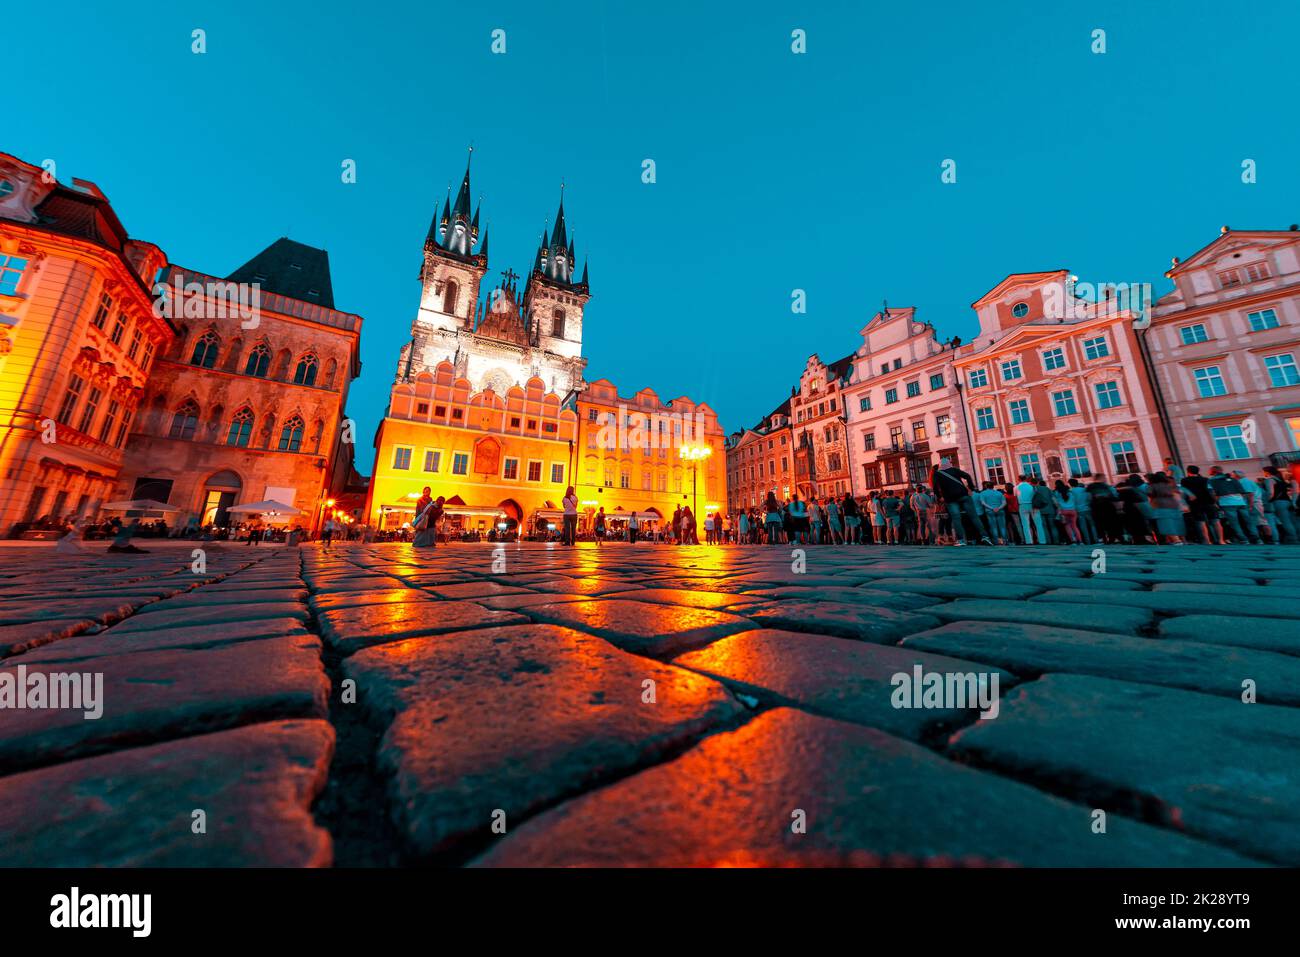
290, 269
76, 213
841, 367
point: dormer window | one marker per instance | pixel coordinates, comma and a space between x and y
6, 188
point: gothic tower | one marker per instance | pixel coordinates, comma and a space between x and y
452, 271
553, 298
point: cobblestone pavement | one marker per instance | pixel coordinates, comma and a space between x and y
651, 705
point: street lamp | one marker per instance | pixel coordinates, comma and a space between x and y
695, 454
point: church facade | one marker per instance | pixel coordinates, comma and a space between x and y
490, 407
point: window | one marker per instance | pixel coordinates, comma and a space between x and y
449, 296
1108, 395
534, 471
1019, 409
979, 377
259, 361
557, 475
433, 460
1125, 456
185, 421
11, 271
896, 437
1193, 334
869, 441
984, 419
591, 415
625, 479
102, 310
1229, 278
1229, 442
898, 363
557, 324
919, 433
1054, 359
305, 374
148, 357
994, 470
70, 399
936, 381
891, 396
663, 481
1209, 382
1029, 465
1077, 459
291, 439
110, 420
943, 425
1257, 271
119, 330
460, 463
511, 470
1096, 348
88, 413
1281, 370
1063, 402
1020, 310
123, 429
913, 389
884, 367
1011, 370
205, 351
136, 338
864, 404
241, 428
421, 408
1264, 319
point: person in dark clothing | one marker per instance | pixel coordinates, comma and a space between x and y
953, 487
1105, 511
1132, 499
1203, 514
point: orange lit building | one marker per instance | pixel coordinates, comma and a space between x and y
248, 403
818, 420
490, 408
78, 335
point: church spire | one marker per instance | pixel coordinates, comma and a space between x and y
557, 254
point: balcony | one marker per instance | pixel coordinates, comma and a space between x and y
898, 449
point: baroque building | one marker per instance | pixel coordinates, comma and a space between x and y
1225, 343
818, 421
900, 403
78, 339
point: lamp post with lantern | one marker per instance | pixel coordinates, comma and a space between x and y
695, 453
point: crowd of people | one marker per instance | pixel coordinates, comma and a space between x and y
1173, 506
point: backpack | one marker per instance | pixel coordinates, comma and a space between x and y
1042, 497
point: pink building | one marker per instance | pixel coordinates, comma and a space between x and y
900, 403
1225, 345
821, 462
1055, 385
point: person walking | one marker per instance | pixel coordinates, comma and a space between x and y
327, 533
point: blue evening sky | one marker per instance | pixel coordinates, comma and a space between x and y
775, 171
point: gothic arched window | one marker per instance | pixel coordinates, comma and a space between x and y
305, 374
291, 435
259, 361
185, 421
449, 296
241, 428
557, 324
205, 351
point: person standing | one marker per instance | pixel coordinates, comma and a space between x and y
798, 520
926, 519
1232, 503
852, 520
1025, 498
1277, 496
1167, 504
995, 511
1082, 503
1064, 501
634, 526
327, 533
423, 521
1204, 510
598, 525
570, 504
953, 487
1045, 505
772, 518
833, 522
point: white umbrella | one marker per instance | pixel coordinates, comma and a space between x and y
268, 506
140, 505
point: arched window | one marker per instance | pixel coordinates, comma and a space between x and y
305, 374
185, 421
241, 428
205, 351
449, 296
259, 361
557, 324
291, 435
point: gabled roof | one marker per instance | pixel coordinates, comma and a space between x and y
1015, 280
290, 269
1228, 237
